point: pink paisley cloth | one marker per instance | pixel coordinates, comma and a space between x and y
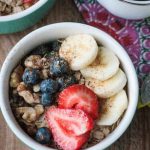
133, 35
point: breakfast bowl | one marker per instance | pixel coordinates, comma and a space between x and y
19, 21
61, 31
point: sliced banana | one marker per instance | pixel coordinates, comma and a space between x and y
104, 67
107, 88
113, 108
79, 50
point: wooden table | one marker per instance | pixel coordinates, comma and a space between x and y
137, 136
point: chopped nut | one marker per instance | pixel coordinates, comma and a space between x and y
30, 114
39, 109
19, 2
106, 131
41, 122
98, 135
28, 96
16, 76
45, 63
36, 88
21, 87
17, 9
78, 75
45, 73
33, 61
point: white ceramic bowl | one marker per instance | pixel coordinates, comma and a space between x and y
127, 10
56, 31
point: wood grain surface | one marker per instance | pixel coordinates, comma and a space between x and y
137, 136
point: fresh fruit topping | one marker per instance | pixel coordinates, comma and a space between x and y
70, 127
55, 45
43, 135
49, 86
41, 50
79, 50
80, 97
59, 67
46, 99
66, 81
31, 76
113, 108
74, 122
104, 67
107, 88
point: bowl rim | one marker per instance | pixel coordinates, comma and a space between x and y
123, 125
23, 13
135, 2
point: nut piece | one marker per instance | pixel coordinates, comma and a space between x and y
106, 131
28, 96
16, 76
18, 9
28, 113
41, 122
36, 88
39, 109
33, 61
98, 135
21, 87
45, 73
45, 63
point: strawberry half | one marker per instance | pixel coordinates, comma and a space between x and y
73, 122
70, 128
80, 97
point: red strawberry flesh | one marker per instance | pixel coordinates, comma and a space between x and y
73, 122
80, 97
70, 128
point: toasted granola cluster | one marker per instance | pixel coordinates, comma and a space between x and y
14, 6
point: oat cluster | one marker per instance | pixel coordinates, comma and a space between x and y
8, 7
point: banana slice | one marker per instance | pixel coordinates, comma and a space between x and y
104, 67
107, 88
79, 50
113, 108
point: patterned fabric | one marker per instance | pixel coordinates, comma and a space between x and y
133, 35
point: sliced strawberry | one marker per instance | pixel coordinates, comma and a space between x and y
73, 122
80, 97
65, 124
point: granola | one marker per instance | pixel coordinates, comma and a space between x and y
8, 7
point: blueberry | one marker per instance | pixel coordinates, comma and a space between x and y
31, 76
43, 135
42, 49
55, 45
59, 67
46, 99
49, 86
66, 81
